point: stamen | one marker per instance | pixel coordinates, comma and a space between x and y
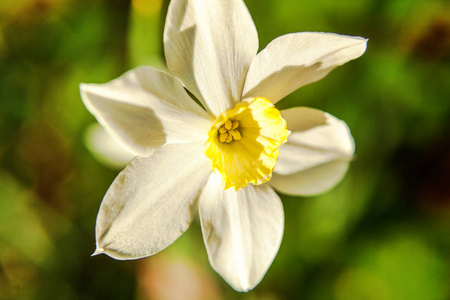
223, 137
228, 125
236, 135
228, 132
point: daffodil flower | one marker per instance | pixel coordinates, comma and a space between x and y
225, 156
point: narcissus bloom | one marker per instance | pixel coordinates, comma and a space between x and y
226, 156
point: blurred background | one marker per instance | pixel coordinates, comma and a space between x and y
383, 233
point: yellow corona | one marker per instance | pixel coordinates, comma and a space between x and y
243, 143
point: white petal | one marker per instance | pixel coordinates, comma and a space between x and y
312, 181
106, 149
209, 45
242, 231
294, 60
145, 109
317, 153
317, 137
152, 202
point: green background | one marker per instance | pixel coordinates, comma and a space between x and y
383, 233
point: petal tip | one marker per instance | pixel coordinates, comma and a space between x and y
83, 86
98, 251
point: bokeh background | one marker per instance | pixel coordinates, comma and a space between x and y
383, 233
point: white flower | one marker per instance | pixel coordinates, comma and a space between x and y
217, 158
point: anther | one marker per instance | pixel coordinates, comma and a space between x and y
235, 134
228, 125
223, 137
228, 132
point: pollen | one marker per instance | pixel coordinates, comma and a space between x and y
228, 132
243, 143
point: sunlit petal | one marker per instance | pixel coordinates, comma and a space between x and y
317, 153
317, 137
209, 45
312, 181
152, 201
145, 109
242, 231
294, 60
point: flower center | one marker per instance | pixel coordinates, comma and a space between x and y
243, 143
228, 132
